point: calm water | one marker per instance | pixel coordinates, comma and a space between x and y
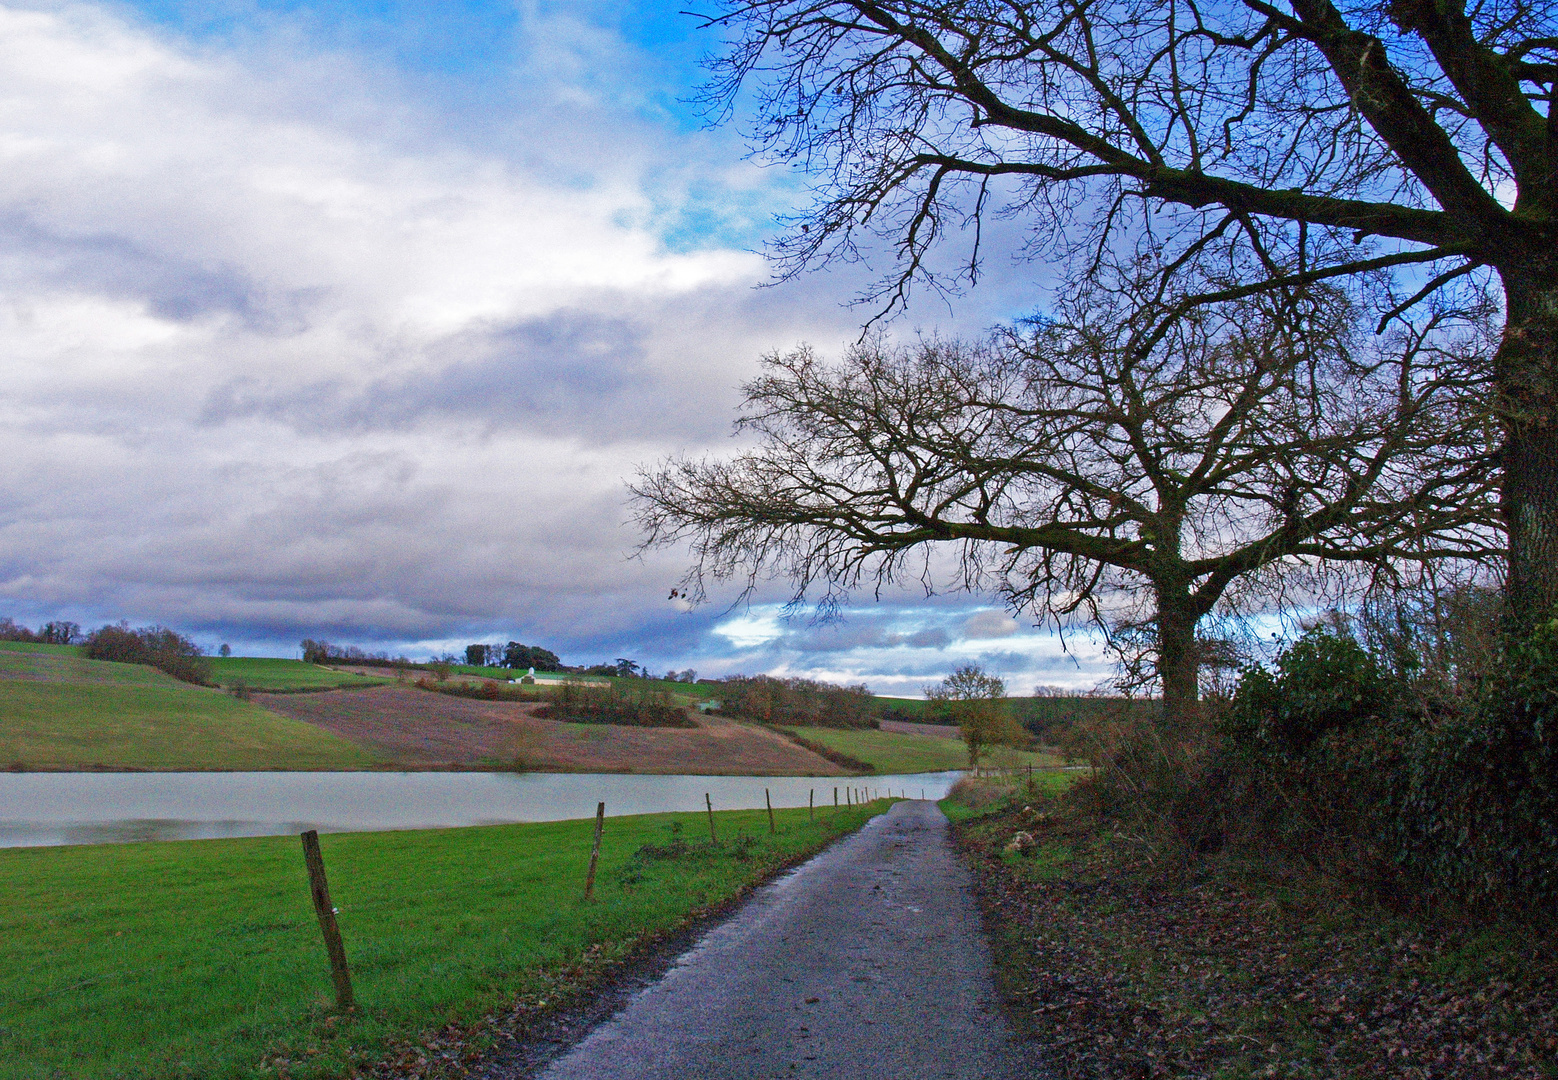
97, 808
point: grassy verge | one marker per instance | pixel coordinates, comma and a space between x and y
892, 752
63, 712
267, 674
1126, 960
203, 959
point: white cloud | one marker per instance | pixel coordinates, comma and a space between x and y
989, 623
273, 354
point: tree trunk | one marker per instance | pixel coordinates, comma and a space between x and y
1178, 667
1526, 373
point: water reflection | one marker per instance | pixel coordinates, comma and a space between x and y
107, 808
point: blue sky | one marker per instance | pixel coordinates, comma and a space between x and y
352, 321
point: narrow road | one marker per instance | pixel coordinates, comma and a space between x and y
869, 961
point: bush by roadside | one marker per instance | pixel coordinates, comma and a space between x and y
1416, 782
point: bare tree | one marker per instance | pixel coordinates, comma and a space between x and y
1286, 141
1189, 456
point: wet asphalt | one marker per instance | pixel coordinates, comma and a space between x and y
868, 961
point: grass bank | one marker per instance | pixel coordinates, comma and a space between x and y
203, 959
268, 674
1128, 960
896, 752
63, 712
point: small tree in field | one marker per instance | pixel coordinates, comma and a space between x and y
976, 703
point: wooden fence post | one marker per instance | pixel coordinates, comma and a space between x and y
600, 825
707, 802
769, 800
835, 800
320, 888
811, 800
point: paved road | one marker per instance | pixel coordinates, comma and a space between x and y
866, 962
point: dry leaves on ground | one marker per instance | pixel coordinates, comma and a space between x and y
1237, 968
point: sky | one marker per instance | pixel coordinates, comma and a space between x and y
353, 320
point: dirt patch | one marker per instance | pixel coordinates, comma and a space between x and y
935, 731
418, 729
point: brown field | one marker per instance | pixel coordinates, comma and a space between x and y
417, 729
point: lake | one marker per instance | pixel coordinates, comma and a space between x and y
38, 809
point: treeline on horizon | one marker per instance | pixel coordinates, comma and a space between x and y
1048, 717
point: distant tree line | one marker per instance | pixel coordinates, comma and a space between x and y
323, 652
522, 657
513, 655
797, 702
640, 706
50, 633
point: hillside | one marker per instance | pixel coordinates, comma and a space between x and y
426, 730
265, 673
65, 712
902, 750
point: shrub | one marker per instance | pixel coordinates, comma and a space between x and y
1169, 787
480, 691
154, 646
640, 706
1325, 683
1474, 811
1365, 763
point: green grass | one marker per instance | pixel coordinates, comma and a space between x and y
63, 712
980, 798
263, 673
203, 958
47, 650
892, 752
682, 693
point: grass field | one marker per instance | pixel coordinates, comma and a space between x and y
892, 752
686, 693
46, 650
204, 959
263, 673
63, 712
